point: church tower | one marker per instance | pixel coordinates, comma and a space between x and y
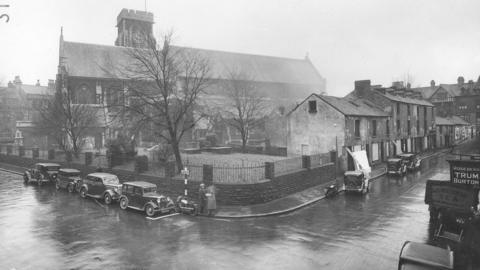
133, 26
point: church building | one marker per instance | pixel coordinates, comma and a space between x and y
82, 71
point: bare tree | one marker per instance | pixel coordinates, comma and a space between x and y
162, 86
65, 121
245, 104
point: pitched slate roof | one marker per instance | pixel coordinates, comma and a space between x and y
36, 90
459, 121
440, 121
96, 61
350, 106
426, 92
407, 100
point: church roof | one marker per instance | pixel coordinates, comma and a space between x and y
97, 61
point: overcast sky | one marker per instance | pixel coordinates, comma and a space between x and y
352, 40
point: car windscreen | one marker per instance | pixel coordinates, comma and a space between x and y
52, 168
111, 180
149, 190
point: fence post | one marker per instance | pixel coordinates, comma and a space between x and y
207, 174
35, 152
21, 151
306, 162
51, 154
269, 170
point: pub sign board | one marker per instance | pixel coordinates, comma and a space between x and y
465, 172
443, 194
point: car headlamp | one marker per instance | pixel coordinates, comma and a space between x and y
158, 200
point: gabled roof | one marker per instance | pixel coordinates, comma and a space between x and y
92, 60
36, 90
349, 106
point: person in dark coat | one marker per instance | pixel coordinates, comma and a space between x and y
211, 200
202, 198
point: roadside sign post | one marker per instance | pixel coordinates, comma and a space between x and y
185, 173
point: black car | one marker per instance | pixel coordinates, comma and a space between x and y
396, 166
101, 185
68, 179
411, 160
42, 173
143, 196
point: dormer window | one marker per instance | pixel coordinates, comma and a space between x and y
312, 106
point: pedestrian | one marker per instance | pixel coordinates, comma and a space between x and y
202, 198
211, 200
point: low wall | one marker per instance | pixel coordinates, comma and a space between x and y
228, 194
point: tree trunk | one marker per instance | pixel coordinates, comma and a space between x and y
178, 157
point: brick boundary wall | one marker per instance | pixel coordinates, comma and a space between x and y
228, 194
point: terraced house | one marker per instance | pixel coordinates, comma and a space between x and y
412, 119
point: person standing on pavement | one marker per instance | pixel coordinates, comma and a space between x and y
202, 198
211, 200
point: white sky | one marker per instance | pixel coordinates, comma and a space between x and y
352, 40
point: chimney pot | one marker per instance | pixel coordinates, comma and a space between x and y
432, 83
460, 80
38, 83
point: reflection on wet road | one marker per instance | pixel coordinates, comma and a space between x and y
42, 228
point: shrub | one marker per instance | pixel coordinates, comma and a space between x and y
51, 154
88, 158
68, 156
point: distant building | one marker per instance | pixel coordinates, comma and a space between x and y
460, 99
322, 123
19, 111
82, 71
412, 119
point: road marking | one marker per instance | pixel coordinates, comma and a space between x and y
160, 217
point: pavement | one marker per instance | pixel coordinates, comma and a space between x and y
300, 199
280, 206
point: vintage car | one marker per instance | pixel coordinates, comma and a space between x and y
143, 196
68, 179
101, 185
411, 160
42, 173
421, 256
185, 205
396, 166
355, 181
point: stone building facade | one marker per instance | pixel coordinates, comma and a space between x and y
412, 119
322, 123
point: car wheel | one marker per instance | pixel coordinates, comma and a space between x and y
149, 210
57, 185
124, 203
83, 192
107, 198
70, 188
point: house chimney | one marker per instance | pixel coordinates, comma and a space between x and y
17, 80
362, 87
409, 86
432, 83
460, 80
10, 84
397, 85
38, 83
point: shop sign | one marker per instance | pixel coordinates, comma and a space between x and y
465, 172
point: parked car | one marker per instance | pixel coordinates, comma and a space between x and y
422, 256
42, 173
412, 161
143, 196
101, 185
355, 181
396, 166
68, 179
185, 205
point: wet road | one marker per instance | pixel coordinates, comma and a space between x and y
42, 228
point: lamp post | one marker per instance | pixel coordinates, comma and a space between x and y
185, 173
